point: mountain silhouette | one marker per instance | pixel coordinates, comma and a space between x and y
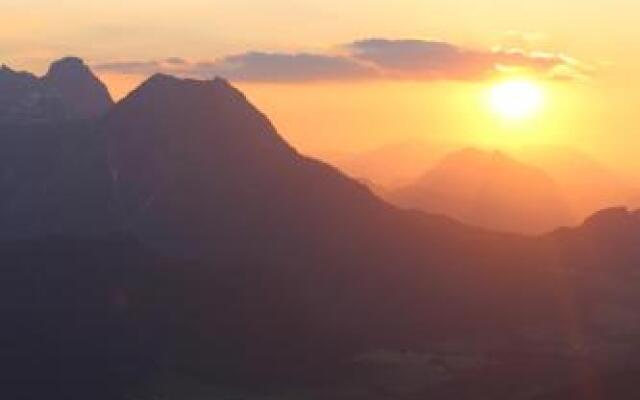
68, 91
491, 190
83, 93
193, 159
180, 239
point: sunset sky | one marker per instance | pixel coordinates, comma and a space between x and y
346, 76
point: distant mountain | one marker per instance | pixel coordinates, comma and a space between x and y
491, 190
68, 91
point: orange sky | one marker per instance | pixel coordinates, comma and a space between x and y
597, 114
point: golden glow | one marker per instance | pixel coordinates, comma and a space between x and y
599, 115
516, 99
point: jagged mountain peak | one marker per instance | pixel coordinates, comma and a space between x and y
68, 91
163, 85
9, 74
85, 95
206, 111
67, 64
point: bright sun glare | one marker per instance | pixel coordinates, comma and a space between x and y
516, 99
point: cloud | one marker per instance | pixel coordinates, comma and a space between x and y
176, 61
256, 67
279, 67
548, 65
175, 65
366, 60
435, 60
420, 59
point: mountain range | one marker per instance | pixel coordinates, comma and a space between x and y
488, 187
173, 243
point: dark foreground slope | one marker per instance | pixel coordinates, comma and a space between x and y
243, 264
107, 317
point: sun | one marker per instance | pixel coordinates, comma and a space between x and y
516, 99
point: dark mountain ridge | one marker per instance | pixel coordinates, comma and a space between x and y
68, 91
79, 89
200, 154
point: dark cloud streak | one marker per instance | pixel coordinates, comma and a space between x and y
366, 59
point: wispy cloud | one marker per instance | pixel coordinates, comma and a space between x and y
282, 67
130, 67
368, 59
435, 60
254, 66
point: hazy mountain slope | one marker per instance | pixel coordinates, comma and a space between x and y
491, 190
390, 166
586, 184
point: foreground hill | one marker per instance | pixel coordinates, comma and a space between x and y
237, 267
